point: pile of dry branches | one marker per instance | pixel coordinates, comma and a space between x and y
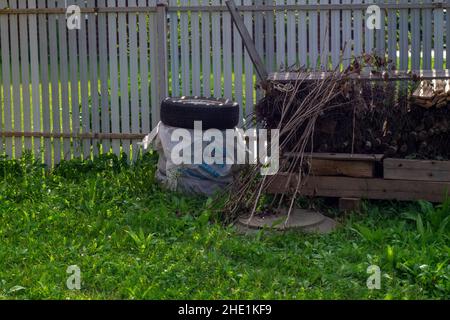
295, 110
340, 114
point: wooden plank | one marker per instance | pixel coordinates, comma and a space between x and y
237, 66
324, 37
48, 11
196, 64
89, 135
447, 32
6, 77
15, 70
259, 41
206, 52
174, 51
113, 76
335, 37
84, 84
74, 90
420, 170
403, 38
25, 73
392, 34
368, 34
269, 37
219, 8
313, 36
438, 39
341, 156
34, 62
144, 67
64, 77
2, 141
227, 63
135, 111
161, 66
216, 52
123, 67
154, 96
357, 169
185, 51
381, 33
302, 36
393, 75
93, 74
43, 54
415, 37
280, 38
249, 59
346, 35
357, 30
104, 87
54, 77
367, 188
290, 36
427, 24
259, 29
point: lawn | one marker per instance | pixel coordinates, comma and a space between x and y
133, 240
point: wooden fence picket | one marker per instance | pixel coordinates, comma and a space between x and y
34, 62
6, 77
438, 38
427, 24
144, 69
196, 65
114, 76
64, 80
154, 67
237, 66
15, 71
25, 74
92, 28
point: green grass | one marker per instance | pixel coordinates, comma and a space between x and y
133, 240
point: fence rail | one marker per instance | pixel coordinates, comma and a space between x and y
69, 93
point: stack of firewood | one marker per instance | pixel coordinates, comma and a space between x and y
434, 93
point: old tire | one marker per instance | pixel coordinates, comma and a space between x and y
213, 113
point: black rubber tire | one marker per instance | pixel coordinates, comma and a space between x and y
214, 113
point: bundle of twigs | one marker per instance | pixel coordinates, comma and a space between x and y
299, 106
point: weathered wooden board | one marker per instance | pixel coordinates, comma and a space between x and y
342, 156
391, 76
419, 170
358, 169
367, 188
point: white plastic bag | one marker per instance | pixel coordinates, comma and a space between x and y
190, 178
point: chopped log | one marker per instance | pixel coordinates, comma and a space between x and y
431, 93
424, 91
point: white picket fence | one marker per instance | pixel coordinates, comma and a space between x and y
71, 93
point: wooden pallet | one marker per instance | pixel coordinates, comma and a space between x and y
370, 177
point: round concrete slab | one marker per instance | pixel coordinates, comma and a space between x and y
299, 218
326, 226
